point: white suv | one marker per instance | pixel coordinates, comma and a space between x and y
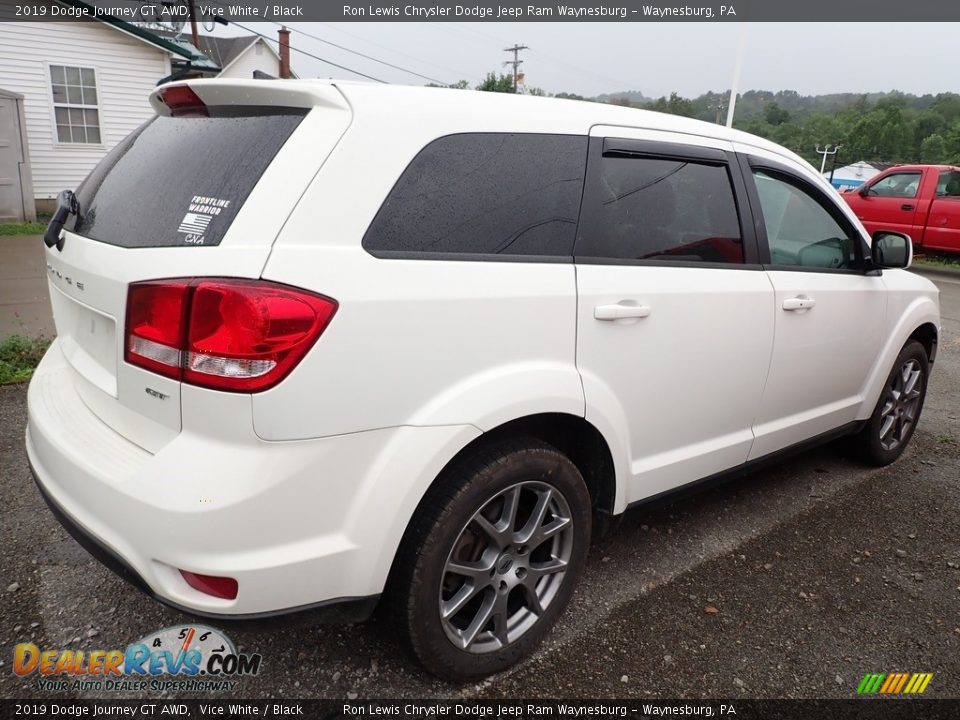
322, 342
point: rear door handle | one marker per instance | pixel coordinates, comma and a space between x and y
906, 206
799, 303
619, 311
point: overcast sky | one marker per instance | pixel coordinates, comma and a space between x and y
655, 58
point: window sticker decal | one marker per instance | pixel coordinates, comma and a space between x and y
195, 222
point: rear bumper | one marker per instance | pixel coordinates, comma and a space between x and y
299, 525
340, 610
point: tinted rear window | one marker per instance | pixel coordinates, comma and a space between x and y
485, 194
180, 180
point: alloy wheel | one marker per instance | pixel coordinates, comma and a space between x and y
506, 567
901, 406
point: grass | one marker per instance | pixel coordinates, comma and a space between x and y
19, 356
946, 439
29, 228
947, 262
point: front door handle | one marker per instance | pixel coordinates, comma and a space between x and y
906, 206
799, 303
619, 311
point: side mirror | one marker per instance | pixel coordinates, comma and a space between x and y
891, 249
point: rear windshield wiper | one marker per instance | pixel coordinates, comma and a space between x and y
67, 204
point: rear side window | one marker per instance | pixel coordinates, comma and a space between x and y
485, 194
181, 180
651, 208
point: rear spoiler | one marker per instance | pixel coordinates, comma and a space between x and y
276, 93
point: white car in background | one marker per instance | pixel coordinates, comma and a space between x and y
323, 342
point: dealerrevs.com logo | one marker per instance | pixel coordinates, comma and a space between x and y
193, 658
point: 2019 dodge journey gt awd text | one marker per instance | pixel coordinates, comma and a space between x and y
320, 343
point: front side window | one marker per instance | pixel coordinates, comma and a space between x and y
653, 208
75, 105
800, 231
897, 185
485, 194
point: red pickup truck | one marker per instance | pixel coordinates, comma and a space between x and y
922, 201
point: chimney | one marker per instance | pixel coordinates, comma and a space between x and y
284, 52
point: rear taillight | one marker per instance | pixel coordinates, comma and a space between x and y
156, 315
238, 335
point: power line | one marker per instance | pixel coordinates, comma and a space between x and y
475, 34
368, 41
336, 45
315, 57
368, 57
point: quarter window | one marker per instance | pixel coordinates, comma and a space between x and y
75, 104
901, 184
485, 194
664, 209
800, 231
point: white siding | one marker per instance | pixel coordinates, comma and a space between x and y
127, 70
248, 61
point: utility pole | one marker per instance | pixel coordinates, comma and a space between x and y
193, 23
516, 62
719, 107
833, 164
824, 151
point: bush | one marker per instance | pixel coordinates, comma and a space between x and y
19, 356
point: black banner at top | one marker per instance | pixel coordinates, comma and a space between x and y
641, 11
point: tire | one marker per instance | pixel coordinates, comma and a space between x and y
889, 429
467, 555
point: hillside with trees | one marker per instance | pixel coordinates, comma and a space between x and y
890, 127
883, 127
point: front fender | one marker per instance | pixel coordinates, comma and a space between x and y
919, 311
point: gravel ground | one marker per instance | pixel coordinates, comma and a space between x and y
791, 582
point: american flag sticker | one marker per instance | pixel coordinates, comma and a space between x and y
194, 223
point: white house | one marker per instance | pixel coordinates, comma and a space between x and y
241, 57
85, 85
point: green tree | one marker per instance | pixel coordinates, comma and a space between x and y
494, 83
933, 149
948, 106
458, 85
677, 105
776, 115
952, 138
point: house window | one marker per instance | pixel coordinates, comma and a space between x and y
75, 104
